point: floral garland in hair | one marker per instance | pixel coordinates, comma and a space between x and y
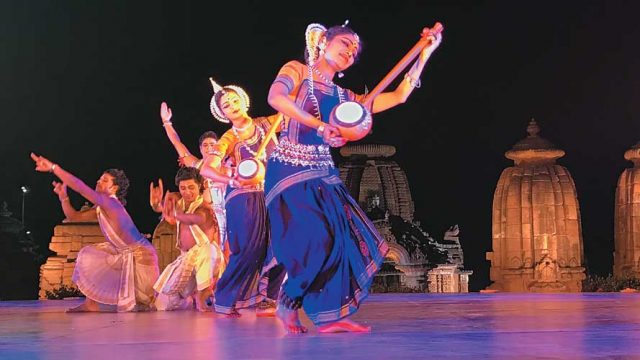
312, 35
213, 106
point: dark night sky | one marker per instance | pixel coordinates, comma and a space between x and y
82, 82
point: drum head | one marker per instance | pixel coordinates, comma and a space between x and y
247, 168
349, 113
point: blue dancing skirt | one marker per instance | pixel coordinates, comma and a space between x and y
328, 246
248, 240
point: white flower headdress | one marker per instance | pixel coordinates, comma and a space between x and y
215, 110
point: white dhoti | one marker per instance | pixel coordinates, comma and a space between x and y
217, 192
195, 269
115, 273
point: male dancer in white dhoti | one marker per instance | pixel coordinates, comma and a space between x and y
121, 271
214, 191
201, 261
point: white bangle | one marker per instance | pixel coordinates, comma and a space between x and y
165, 123
53, 168
320, 130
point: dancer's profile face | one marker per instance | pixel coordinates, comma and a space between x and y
189, 190
105, 185
232, 106
208, 146
342, 50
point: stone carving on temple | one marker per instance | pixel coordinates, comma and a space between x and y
448, 278
451, 245
536, 230
381, 187
626, 259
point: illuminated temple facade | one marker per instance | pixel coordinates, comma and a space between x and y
536, 230
626, 259
382, 190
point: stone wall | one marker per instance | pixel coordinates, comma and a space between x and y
66, 242
164, 240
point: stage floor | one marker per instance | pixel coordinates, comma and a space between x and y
405, 326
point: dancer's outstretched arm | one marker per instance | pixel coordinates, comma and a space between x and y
45, 165
387, 100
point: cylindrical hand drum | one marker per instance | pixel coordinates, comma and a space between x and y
250, 172
353, 120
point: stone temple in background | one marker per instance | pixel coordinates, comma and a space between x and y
537, 235
626, 259
376, 181
382, 190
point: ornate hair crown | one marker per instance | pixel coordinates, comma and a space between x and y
213, 105
312, 35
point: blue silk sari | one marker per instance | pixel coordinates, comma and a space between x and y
245, 281
328, 246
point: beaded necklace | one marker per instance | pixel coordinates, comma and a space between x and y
244, 127
313, 97
261, 135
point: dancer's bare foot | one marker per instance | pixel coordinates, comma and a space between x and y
290, 320
344, 325
266, 308
87, 306
234, 314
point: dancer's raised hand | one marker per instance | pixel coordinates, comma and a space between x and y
42, 164
165, 113
155, 195
60, 189
435, 35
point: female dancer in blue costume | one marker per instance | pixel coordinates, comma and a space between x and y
244, 282
329, 249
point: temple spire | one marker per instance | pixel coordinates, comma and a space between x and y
533, 148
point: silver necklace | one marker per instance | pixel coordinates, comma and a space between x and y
313, 97
323, 78
242, 128
261, 135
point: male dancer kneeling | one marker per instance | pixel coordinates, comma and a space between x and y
121, 271
201, 261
